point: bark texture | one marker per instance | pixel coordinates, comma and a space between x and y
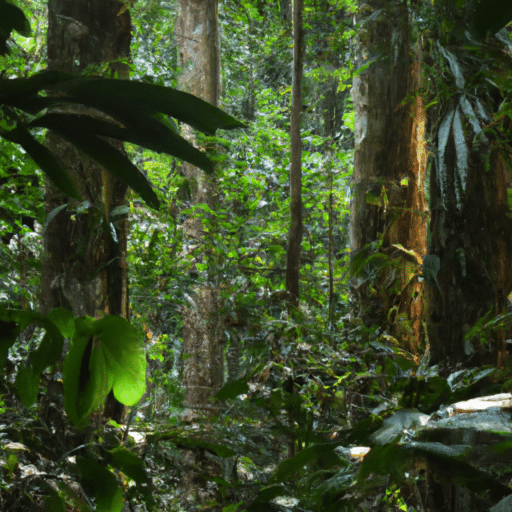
473, 244
471, 218
84, 263
197, 34
389, 171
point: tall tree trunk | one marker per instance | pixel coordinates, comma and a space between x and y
84, 264
197, 33
470, 233
389, 171
470, 255
295, 233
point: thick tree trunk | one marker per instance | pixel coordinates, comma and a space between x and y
84, 265
472, 241
389, 172
471, 244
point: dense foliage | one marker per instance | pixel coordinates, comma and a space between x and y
321, 379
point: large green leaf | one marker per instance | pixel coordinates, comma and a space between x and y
64, 320
73, 367
97, 385
107, 493
19, 89
105, 354
27, 384
116, 96
128, 463
139, 109
43, 157
79, 130
123, 349
142, 129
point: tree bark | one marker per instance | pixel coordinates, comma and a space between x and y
295, 232
471, 218
388, 207
471, 238
84, 265
197, 34
198, 37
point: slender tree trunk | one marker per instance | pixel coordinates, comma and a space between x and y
197, 34
84, 264
198, 38
389, 172
295, 233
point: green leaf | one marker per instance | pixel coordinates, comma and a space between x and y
72, 370
48, 163
48, 351
25, 88
141, 129
27, 383
97, 385
64, 320
113, 96
290, 466
79, 131
233, 389
123, 349
129, 464
107, 493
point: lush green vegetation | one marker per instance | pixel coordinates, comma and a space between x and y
321, 379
